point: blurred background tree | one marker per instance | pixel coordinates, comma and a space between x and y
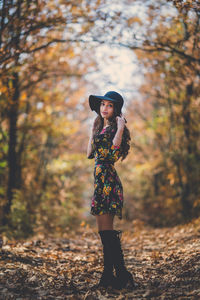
168, 135
49, 60
42, 84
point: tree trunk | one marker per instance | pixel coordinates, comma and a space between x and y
187, 190
12, 154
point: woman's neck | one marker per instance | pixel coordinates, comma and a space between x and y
105, 124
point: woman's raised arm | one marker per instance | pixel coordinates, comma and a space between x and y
119, 133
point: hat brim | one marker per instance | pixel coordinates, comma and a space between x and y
94, 101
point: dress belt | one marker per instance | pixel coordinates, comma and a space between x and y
102, 162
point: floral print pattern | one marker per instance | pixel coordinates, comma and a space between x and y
108, 189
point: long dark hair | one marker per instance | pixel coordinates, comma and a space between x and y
126, 138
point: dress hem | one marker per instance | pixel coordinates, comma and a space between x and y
103, 213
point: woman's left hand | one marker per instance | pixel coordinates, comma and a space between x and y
120, 121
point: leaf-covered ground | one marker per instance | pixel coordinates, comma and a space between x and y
165, 264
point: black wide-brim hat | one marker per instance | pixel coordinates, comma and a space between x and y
95, 101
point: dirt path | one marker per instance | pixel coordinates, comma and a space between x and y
165, 264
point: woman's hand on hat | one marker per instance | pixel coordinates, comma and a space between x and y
120, 121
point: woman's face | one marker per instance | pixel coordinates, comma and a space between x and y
106, 109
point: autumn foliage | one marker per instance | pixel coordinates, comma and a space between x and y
47, 52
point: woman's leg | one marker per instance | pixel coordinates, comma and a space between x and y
105, 222
113, 254
124, 277
105, 228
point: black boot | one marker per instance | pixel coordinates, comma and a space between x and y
124, 278
107, 277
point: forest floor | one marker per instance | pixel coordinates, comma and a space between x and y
165, 264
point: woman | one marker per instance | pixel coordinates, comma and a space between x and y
109, 140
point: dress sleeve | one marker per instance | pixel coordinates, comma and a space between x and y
93, 150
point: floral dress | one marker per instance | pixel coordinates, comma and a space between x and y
108, 190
